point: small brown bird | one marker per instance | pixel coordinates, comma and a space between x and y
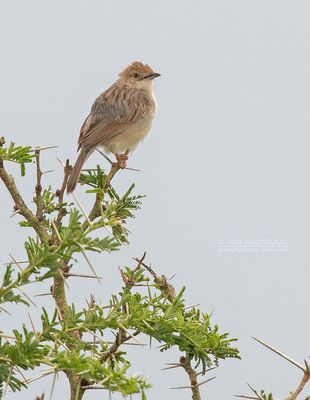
119, 118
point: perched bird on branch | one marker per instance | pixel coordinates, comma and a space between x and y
119, 118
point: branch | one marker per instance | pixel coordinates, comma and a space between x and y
97, 207
192, 374
121, 336
20, 204
60, 194
298, 390
161, 281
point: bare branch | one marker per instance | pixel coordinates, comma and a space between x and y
60, 193
38, 199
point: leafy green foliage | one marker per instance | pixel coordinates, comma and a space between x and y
18, 154
171, 324
115, 209
8, 295
49, 201
75, 340
113, 378
94, 178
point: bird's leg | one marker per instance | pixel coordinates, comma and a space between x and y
122, 159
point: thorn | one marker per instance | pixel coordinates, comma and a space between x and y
16, 263
194, 386
56, 231
7, 336
53, 385
32, 324
60, 162
207, 370
7, 381
193, 305
38, 148
4, 310
206, 381
82, 209
89, 263
106, 157
87, 387
35, 378
19, 262
255, 392
96, 336
82, 276
133, 337
171, 366
16, 367
14, 213
26, 295
281, 354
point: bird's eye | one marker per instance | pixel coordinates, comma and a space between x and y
136, 75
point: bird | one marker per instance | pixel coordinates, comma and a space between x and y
119, 119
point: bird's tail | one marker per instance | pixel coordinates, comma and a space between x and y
76, 171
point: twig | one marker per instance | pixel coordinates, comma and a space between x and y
38, 199
129, 280
165, 286
60, 193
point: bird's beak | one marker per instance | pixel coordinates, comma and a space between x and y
152, 75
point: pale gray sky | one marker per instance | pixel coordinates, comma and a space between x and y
227, 158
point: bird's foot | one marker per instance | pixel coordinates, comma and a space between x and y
122, 160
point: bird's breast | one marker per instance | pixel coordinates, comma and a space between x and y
133, 134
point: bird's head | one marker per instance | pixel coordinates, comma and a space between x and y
139, 75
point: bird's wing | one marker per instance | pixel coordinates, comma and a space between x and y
111, 114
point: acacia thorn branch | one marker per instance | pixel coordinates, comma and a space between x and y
19, 202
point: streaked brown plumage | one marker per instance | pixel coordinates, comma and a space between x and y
119, 118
